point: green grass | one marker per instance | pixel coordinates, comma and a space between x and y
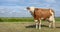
23, 19
57, 18
16, 19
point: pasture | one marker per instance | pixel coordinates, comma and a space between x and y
25, 25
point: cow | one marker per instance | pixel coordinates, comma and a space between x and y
42, 14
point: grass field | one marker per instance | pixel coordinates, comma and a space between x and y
24, 19
25, 25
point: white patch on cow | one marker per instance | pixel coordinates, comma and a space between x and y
32, 9
52, 16
51, 12
36, 20
42, 18
52, 19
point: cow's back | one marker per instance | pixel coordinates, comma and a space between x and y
42, 13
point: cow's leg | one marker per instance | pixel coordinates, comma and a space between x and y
36, 21
39, 24
52, 18
50, 24
52, 21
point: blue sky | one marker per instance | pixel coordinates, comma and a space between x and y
17, 8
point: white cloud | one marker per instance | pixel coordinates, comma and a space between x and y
2, 11
12, 9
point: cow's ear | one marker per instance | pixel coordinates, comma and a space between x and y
28, 8
36, 9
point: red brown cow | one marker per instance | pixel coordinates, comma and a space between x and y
42, 14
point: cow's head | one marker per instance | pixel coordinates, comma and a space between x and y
31, 8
